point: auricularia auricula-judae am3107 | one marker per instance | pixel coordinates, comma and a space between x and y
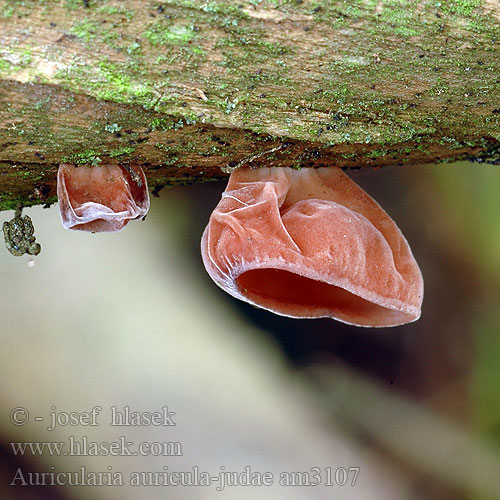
101, 198
311, 243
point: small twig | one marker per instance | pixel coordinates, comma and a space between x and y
197, 91
228, 169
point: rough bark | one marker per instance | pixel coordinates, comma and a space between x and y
190, 89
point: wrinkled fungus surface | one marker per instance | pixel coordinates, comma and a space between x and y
311, 243
102, 198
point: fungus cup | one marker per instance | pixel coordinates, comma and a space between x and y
311, 243
102, 198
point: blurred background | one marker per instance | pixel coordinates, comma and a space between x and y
132, 319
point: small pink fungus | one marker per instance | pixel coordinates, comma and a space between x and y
101, 198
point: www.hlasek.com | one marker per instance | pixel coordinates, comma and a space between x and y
84, 447
316, 476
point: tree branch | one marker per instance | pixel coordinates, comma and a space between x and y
190, 89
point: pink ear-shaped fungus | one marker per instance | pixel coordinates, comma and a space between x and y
311, 243
101, 198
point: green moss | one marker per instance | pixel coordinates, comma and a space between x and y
7, 11
4, 66
42, 103
162, 35
15, 60
215, 10
93, 157
9, 202
17, 8
226, 105
241, 37
26, 55
112, 128
85, 29
171, 123
88, 157
171, 157
112, 10
134, 48
74, 4
118, 85
459, 7
125, 150
376, 153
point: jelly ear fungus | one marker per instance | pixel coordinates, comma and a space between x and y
101, 198
311, 243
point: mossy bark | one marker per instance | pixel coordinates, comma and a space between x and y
193, 88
